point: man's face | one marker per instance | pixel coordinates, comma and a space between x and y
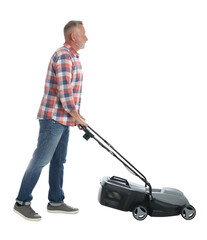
80, 36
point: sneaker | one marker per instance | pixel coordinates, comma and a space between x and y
26, 212
64, 208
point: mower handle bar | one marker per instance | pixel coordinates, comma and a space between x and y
124, 161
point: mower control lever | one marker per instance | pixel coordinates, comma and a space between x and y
87, 134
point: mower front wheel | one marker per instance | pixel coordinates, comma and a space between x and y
188, 212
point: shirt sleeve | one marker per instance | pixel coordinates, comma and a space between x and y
64, 86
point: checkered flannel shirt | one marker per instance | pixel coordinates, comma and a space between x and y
63, 87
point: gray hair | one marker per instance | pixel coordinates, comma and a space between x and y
71, 24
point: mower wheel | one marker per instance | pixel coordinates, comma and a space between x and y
140, 213
188, 212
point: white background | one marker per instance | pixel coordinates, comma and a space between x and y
144, 91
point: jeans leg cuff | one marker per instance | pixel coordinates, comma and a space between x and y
23, 203
55, 204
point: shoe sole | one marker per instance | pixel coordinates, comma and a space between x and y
61, 211
29, 219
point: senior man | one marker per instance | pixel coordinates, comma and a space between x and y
59, 109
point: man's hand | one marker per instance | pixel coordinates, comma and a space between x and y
80, 120
83, 119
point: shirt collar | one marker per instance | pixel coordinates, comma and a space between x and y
72, 50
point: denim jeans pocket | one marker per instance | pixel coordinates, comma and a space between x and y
56, 128
50, 126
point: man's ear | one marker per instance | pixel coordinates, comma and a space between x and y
73, 36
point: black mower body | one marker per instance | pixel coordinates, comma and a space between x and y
118, 193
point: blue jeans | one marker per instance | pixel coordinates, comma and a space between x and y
51, 148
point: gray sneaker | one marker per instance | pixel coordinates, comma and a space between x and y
27, 212
64, 208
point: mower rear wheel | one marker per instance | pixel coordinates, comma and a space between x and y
140, 213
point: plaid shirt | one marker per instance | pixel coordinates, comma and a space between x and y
63, 87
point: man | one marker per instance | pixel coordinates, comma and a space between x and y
59, 109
